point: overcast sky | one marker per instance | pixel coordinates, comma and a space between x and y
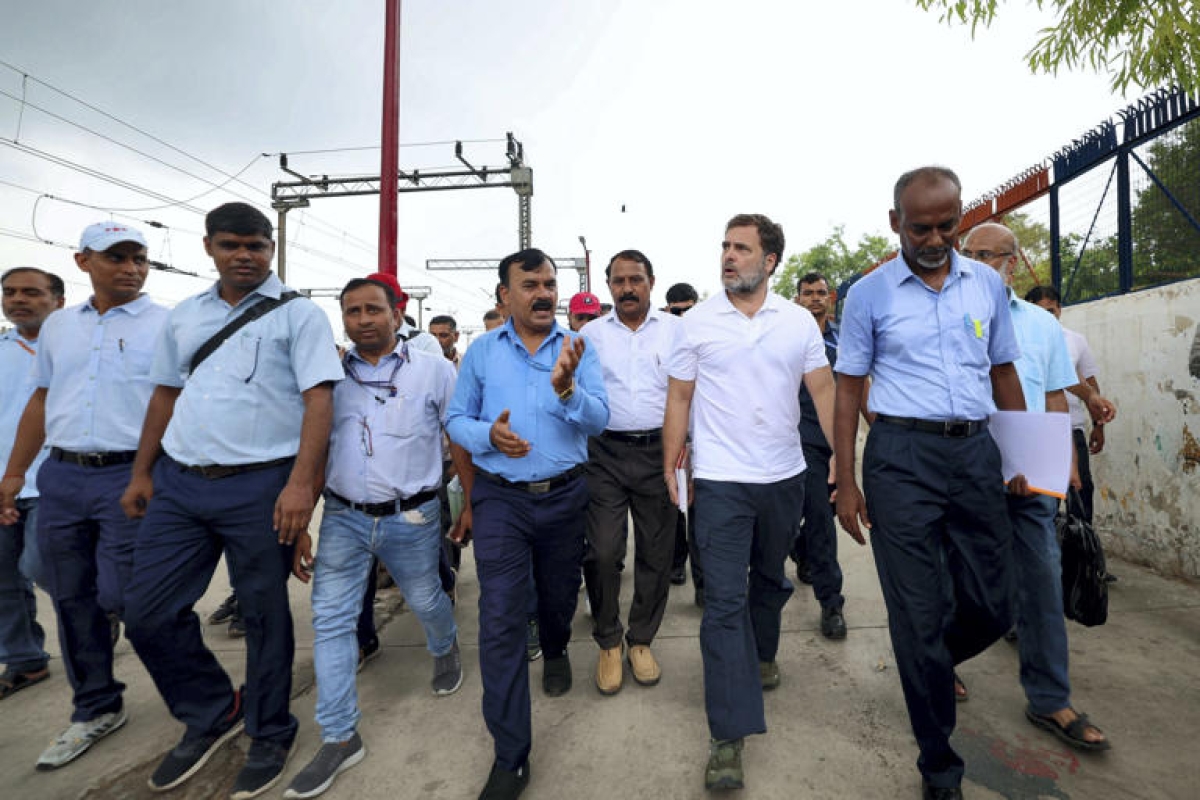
647, 124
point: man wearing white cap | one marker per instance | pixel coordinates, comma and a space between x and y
93, 385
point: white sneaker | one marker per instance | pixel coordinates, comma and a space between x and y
75, 740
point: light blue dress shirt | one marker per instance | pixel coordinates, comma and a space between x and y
1045, 363
18, 375
928, 353
496, 373
243, 405
96, 370
387, 445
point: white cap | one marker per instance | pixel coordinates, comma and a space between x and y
103, 235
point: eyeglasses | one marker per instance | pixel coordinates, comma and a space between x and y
365, 439
984, 255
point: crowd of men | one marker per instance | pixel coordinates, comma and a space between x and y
144, 444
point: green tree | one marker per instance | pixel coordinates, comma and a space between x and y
1165, 243
1144, 42
833, 258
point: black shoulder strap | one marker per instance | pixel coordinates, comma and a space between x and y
254, 312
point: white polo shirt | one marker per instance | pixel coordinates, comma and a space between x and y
635, 367
745, 409
1085, 367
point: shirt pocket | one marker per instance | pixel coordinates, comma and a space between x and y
244, 351
405, 416
135, 361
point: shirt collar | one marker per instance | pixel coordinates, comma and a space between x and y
507, 331
134, 307
726, 306
272, 287
959, 267
653, 315
401, 352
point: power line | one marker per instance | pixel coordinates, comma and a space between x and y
377, 147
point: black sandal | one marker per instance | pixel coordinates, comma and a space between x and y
1072, 734
12, 681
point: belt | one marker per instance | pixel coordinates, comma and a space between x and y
214, 472
108, 459
950, 428
634, 437
534, 487
388, 508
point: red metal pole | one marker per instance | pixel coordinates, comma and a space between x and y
389, 168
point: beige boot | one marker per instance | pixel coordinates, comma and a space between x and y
642, 664
609, 670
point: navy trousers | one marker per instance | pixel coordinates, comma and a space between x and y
514, 529
943, 550
742, 527
86, 544
190, 520
816, 540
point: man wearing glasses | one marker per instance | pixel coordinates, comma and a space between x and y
381, 482
528, 396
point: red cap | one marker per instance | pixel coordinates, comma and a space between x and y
390, 281
584, 303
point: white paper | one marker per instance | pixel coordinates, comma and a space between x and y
1036, 445
681, 485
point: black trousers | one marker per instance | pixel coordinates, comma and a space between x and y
627, 478
943, 550
816, 539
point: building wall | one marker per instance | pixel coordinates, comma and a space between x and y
1147, 346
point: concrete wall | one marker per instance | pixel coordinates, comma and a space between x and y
1147, 345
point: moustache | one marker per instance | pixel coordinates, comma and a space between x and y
543, 305
625, 297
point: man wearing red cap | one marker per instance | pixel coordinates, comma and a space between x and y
407, 333
583, 308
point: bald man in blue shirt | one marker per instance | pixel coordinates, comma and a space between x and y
527, 398
934, 332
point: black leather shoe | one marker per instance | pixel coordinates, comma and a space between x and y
678, 576
503, 784
940, 792
833, 624
556, 676
803, 572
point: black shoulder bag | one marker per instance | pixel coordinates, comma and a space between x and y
1085, 590
255, 311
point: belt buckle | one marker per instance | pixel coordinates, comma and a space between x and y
538, 487
956, 429
92, 459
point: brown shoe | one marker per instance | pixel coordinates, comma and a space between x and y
609, 670
643, 666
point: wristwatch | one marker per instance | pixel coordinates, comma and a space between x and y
567, 393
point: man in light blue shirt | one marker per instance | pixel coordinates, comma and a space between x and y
934, 332
30, 295
381, 482
93, 386
528, 396
242, 437
1045, 370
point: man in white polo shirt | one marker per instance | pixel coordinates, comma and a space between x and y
738, 368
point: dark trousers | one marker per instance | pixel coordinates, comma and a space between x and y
513, 529
816, 539
86, 544
1083, 457
742, 527
189, 522
943, 548
624, 478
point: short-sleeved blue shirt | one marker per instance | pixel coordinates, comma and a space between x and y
929, 354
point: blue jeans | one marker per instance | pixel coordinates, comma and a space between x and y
1042, 629
21, 638
740, 528
409, 545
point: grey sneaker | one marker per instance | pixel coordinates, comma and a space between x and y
193, 752
75, 740
768, 673
724, 770
264, 767
331, 760
447, 672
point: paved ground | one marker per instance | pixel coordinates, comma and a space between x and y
837, 725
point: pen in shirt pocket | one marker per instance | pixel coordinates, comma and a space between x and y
973, 325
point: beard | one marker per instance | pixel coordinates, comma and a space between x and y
934, 258
746, 284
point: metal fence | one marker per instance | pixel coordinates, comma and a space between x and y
1115, 211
